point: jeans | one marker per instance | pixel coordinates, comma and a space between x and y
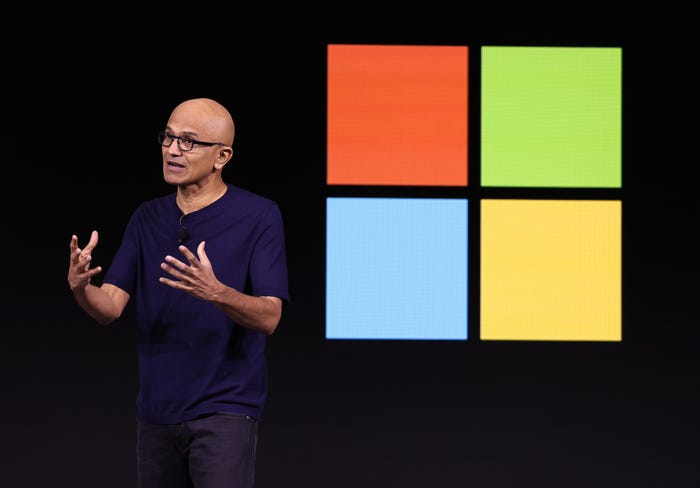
214, 451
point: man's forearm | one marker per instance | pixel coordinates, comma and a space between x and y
97, 303
258, 313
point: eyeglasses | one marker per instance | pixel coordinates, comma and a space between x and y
184, 143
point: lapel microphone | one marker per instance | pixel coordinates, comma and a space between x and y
182, 234
182, 231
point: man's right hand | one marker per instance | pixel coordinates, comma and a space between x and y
79, 272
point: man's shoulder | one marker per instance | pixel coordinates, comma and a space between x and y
158, 204
241, 195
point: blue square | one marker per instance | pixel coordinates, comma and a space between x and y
396, 268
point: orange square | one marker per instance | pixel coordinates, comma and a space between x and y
397, 115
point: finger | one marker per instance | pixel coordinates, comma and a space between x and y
85, 273
89, 273
78, 255
75, 255
73, 243
179, 273
171, 283
202, 254
188, 254
93, 241
174, 262
83, 259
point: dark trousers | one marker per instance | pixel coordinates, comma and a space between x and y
215, 451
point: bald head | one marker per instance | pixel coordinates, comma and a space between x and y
207, 118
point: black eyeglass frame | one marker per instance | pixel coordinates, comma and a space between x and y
163, 135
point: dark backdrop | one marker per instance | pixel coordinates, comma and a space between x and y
82, 106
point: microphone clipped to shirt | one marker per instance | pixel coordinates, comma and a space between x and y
182, 234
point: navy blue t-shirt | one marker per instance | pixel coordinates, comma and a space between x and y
194, 359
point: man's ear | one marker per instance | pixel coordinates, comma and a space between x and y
223, 157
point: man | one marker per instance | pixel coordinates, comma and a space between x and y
207, 267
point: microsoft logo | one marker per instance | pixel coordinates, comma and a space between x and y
474, 202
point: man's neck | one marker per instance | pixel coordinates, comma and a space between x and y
191, 199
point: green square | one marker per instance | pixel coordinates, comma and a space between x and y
551, 117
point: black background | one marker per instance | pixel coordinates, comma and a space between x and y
83, 106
